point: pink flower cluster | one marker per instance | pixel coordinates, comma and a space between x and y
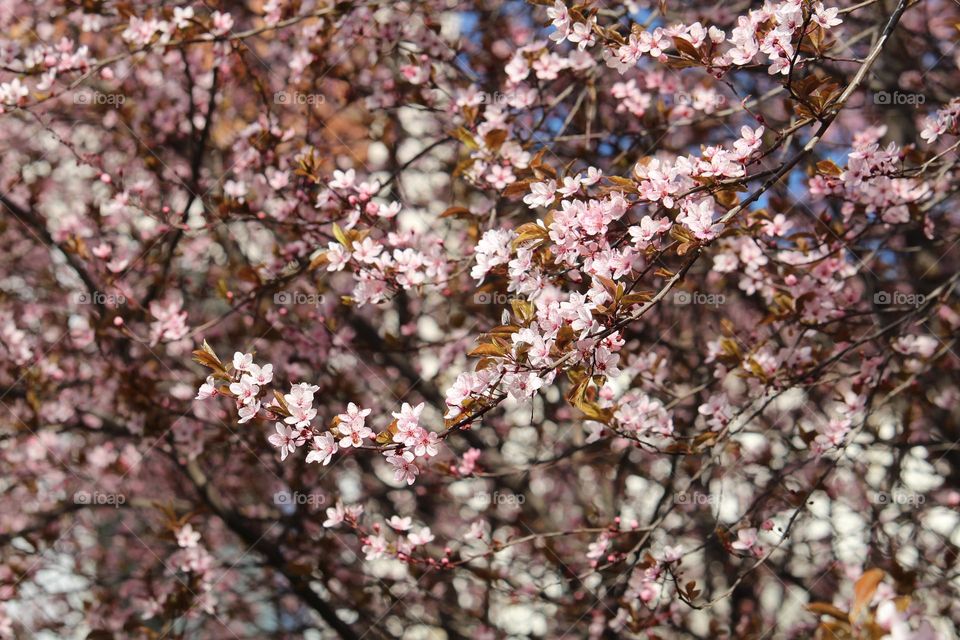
771, 30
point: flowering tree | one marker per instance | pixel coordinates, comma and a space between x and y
429, 319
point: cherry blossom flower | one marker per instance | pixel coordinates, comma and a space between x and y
245, 391
249, 411
258, 376
235, 189
182, 17
353, 431
324, 447
222, 22
207, 390
374, 547
571, 185
404, 469
187, 538
826, 18
335, 515
522, 386
242, 361
284, 439
746, 540
499, 177
672, 553
541, 194
423, 443
492, 250
399, 524
13, 92
409, 417
354, 417
170, 324
424, 536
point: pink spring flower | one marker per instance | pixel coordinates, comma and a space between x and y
284, 439
324, 447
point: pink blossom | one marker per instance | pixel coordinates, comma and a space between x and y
284, 439
746, 540
404, 469
187, 538
324, 447
207, 390
424, 536
399, 524
541, 194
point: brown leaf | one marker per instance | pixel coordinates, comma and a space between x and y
863, 591
342, 237
626, 183
593, 411
453, 212
466, 138
825, 609
523, 309
320, 260
639, 297
495, 139
828, 168
531, 232
487, 349
727, 199
686, 49
205, 359
504, 328
517, 188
